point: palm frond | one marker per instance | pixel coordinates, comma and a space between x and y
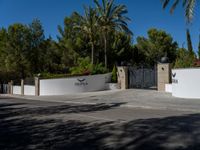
189, 10
174, 6
165, 3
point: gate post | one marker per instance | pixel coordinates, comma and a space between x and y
163, 75
22, 87
122, 74
11, 87
37, 86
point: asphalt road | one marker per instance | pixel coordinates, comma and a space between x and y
32, 124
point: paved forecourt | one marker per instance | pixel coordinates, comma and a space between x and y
49, 124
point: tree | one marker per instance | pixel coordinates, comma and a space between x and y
184, 59
111, 17
157, 45
71, 42
189, 42
35, 53
16, 49
89, 25
120, 50
51, 55
189, 6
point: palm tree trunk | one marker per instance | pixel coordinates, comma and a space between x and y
105, 51
92, 52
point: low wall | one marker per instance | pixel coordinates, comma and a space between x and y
168, 88
17, 90
186, 83
29, 90
71, 85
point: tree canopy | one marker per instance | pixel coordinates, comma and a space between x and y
100, 37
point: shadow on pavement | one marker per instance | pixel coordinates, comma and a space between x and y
62, 109
171, 133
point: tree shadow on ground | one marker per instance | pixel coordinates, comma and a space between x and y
170, 133
61, 109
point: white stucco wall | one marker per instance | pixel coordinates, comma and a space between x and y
186, 83
71, 85
168, 88
29, 90
17, 90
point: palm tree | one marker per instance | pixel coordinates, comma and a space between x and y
88, 25
111, 18
189, 6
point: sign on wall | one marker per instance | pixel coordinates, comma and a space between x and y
81, 82
174, 79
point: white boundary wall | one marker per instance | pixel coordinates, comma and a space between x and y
17, 90
168, 88
71, 85
186, 83
29, 90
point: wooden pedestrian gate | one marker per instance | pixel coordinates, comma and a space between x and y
142, 77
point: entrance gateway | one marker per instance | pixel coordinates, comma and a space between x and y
142, 77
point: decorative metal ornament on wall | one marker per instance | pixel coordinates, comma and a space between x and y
174, 80
81, 82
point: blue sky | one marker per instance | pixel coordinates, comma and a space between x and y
145, 14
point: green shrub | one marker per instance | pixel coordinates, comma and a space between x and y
114, 74
86, 68
99, 69
46, 75
184, 59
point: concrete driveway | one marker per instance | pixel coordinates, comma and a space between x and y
131, 119
32, 124
134, 98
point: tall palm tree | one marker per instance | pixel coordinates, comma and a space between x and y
111, 18
88, 25
189, 6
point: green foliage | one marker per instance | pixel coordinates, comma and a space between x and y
157, 45
47, 75
114, 75
99, 69
121, 50
89, 25
84, 42
189, 6
184, 59
111, 18
86, 68
16, 50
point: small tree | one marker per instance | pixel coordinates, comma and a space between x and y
114, 74
184, 59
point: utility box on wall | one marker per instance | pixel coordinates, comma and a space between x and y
164, 75
122, 74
